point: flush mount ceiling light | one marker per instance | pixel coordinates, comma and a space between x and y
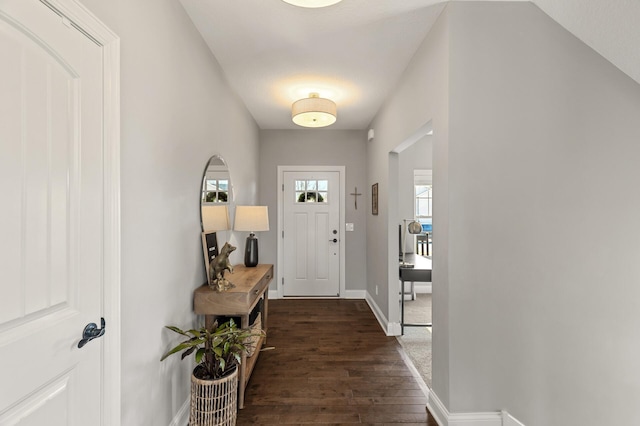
312, 3
314, 111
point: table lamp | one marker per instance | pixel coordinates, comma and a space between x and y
252, 219
215, 218
413, 227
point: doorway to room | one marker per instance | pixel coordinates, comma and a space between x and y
410, 170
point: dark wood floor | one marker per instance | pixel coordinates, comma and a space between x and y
331, 364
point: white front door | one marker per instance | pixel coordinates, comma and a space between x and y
311, 207
52, 250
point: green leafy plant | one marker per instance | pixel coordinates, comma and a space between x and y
217, 350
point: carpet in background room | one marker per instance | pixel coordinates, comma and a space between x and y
416, 341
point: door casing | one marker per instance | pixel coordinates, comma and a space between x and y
341, 227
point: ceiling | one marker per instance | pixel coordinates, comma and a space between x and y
354, 52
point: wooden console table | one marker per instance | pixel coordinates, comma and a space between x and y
251, 284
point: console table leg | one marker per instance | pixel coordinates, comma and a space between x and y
209, 320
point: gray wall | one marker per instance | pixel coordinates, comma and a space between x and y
543, 248
535, 171
318, 147
176, 112
420, 97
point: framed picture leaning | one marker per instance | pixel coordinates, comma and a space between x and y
209, 249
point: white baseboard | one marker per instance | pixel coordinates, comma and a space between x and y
355, 294
390, 329
445, 418
437, 409
509, 420
394, 329
349, 294
182, 417
421, 287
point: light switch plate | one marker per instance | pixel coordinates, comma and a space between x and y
349, 227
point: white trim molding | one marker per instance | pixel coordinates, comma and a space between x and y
355, 294
83, 20
274, 294
182, 416
389, 328
445, 418
509, 420
421, 287
341, 170
348, 294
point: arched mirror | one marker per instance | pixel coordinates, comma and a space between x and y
216, 195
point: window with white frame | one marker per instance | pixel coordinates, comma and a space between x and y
424, 201
215, 190
423, 190
312, 191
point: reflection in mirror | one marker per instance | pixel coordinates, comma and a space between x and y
216, 187
215, 184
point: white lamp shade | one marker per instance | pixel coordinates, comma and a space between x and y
251, 218
215, 218
314, 111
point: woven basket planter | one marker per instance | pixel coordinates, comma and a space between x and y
214, 402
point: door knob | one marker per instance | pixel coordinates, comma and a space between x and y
335, 240
91, 331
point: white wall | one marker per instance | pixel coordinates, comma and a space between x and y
176, 112
543, 244
318, 147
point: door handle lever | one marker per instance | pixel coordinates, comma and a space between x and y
91, 331
335, 240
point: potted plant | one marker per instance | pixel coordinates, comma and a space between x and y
214, 382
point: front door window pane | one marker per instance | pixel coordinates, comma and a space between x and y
311, 191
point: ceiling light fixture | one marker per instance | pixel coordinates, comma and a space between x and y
312, 3
314, 111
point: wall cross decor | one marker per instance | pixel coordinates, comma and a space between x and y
374, 199
355, 194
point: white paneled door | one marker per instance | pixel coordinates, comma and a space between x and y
52, 227
311, 207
